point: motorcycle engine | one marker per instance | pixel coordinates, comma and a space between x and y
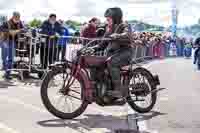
103, 85
101, 89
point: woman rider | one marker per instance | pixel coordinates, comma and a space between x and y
119, 50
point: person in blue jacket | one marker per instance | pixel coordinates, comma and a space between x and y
197, 53
50, 28
62, 42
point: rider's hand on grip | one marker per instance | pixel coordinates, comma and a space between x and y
114, 36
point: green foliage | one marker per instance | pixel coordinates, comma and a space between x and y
35, 23
193, 29
73, 24
141, 26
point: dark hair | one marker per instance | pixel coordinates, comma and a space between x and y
77, 33
16, 14
100, 32
197, 41
93, 20
52, 15
115, 13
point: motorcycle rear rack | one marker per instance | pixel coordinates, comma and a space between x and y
156, 90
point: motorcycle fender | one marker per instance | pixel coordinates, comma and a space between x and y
156, 80
82, 77
87, 85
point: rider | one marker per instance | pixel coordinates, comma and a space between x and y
119, 50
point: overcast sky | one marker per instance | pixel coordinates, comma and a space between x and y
152, 11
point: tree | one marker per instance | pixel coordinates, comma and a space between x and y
35, 23
73, 24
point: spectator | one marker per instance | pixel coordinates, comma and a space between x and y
196, 52
178, 45
76, 38
129, 26
10, 30
182, 45
89, 31
166, 46
173, 48
62, 42
188, 49
156, 48
49, 28
100, 32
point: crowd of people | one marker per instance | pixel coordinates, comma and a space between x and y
161, 45
156, 45
9, 38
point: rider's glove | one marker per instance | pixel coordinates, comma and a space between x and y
114, 36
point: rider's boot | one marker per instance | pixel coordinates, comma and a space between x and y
117, 92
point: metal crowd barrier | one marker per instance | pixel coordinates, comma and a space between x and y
33, 54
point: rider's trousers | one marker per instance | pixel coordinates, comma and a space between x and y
120, 58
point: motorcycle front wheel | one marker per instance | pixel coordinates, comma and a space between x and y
54, 95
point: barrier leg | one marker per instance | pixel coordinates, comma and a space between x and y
63, 53
4, 54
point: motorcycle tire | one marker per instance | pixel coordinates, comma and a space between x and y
144, 72
48, 104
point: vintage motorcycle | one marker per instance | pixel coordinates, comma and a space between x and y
78, 85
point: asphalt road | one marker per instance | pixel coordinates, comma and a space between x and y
22, 112
177, 109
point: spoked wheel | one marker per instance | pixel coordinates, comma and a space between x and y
141, 84
61, 96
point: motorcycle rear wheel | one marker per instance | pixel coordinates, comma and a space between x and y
132, 103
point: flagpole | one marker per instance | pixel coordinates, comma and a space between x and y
174, 18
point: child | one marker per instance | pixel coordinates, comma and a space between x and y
188, 50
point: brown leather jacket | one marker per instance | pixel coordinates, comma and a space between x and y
8, 26
122, 39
